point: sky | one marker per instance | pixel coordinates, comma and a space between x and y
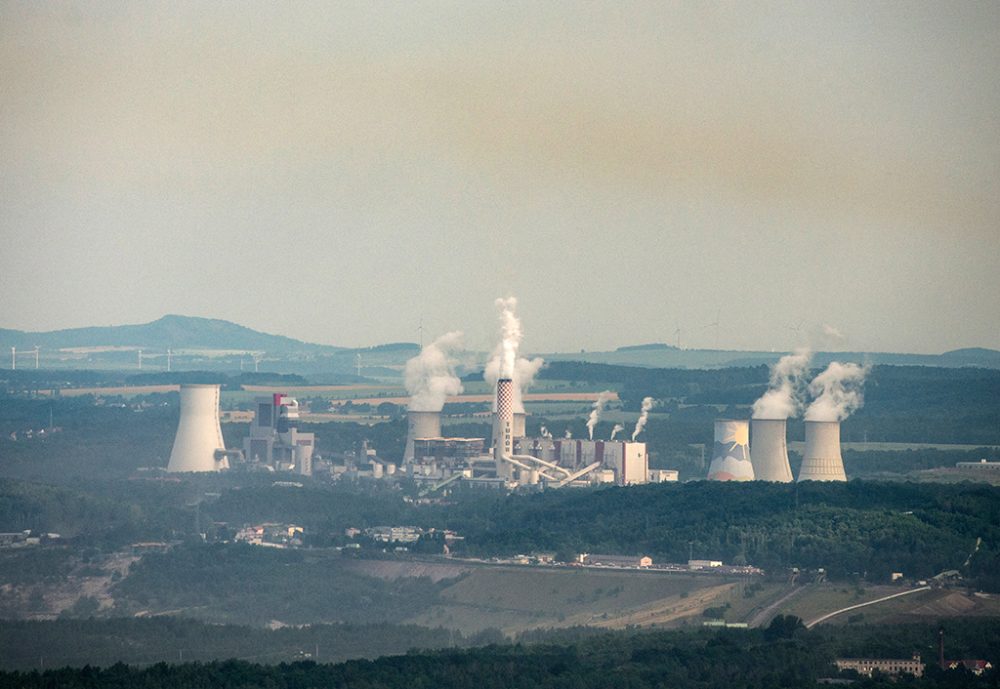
738, 175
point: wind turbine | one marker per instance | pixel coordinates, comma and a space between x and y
677, 334
257, 356
715, 325
357, 363
36, 357
797, 330
169, 353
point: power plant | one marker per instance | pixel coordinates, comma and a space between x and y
198, 445
769, 450
821, 460
731, 452
275, 441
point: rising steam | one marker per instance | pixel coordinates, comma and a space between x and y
836, 392
595, 414
647, 404
616, 430
505, 362
430, 376
784, 398
545, 432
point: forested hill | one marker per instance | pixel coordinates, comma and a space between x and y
172, 331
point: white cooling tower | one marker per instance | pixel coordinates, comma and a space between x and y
199, 434
769, 451
731, 452
503, 425
520, 419
420, 424
821, 460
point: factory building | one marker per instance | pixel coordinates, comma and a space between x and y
275, 440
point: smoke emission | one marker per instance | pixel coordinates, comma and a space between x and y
595, 414
505, 362
616, 430
785, 397
544, 432
430, 376
647, 404
836, 392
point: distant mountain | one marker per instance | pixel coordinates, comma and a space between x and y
645, 347
176, 332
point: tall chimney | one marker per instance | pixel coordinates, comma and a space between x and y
821, 460
731, 452
769, 451
503, 425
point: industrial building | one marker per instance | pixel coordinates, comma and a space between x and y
275, 441
769, 450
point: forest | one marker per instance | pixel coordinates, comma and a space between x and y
780, 655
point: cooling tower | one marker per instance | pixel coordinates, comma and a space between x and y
519, 422
503, 425
731, 452
821, 460
199, 434
769, 451
420, 424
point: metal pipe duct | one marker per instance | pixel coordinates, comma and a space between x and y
731, 452
821, 460
769, 450
199, 434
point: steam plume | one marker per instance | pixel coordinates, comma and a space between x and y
784, 398
505, 362
595, 414
430, 376
616, 430
647, 404
568, 434
544, 432
836, 392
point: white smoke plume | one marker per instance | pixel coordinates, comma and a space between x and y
430, 376
505, 362
595, 414
568, 434
616, 430
836, 392
544, 432
647, 404
784, 398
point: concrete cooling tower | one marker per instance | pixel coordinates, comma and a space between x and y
420, 424
821, 460
731, 452
769, 451
198, 445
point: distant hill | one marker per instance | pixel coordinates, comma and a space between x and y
177, 332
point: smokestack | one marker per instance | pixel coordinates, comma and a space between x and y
769, 450
420, 424
503, 425
199, 434
731, 452
821, 460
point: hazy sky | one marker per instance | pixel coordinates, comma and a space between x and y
336, 172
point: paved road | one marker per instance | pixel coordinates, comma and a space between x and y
765, 615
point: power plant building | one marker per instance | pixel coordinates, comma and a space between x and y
275, 440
